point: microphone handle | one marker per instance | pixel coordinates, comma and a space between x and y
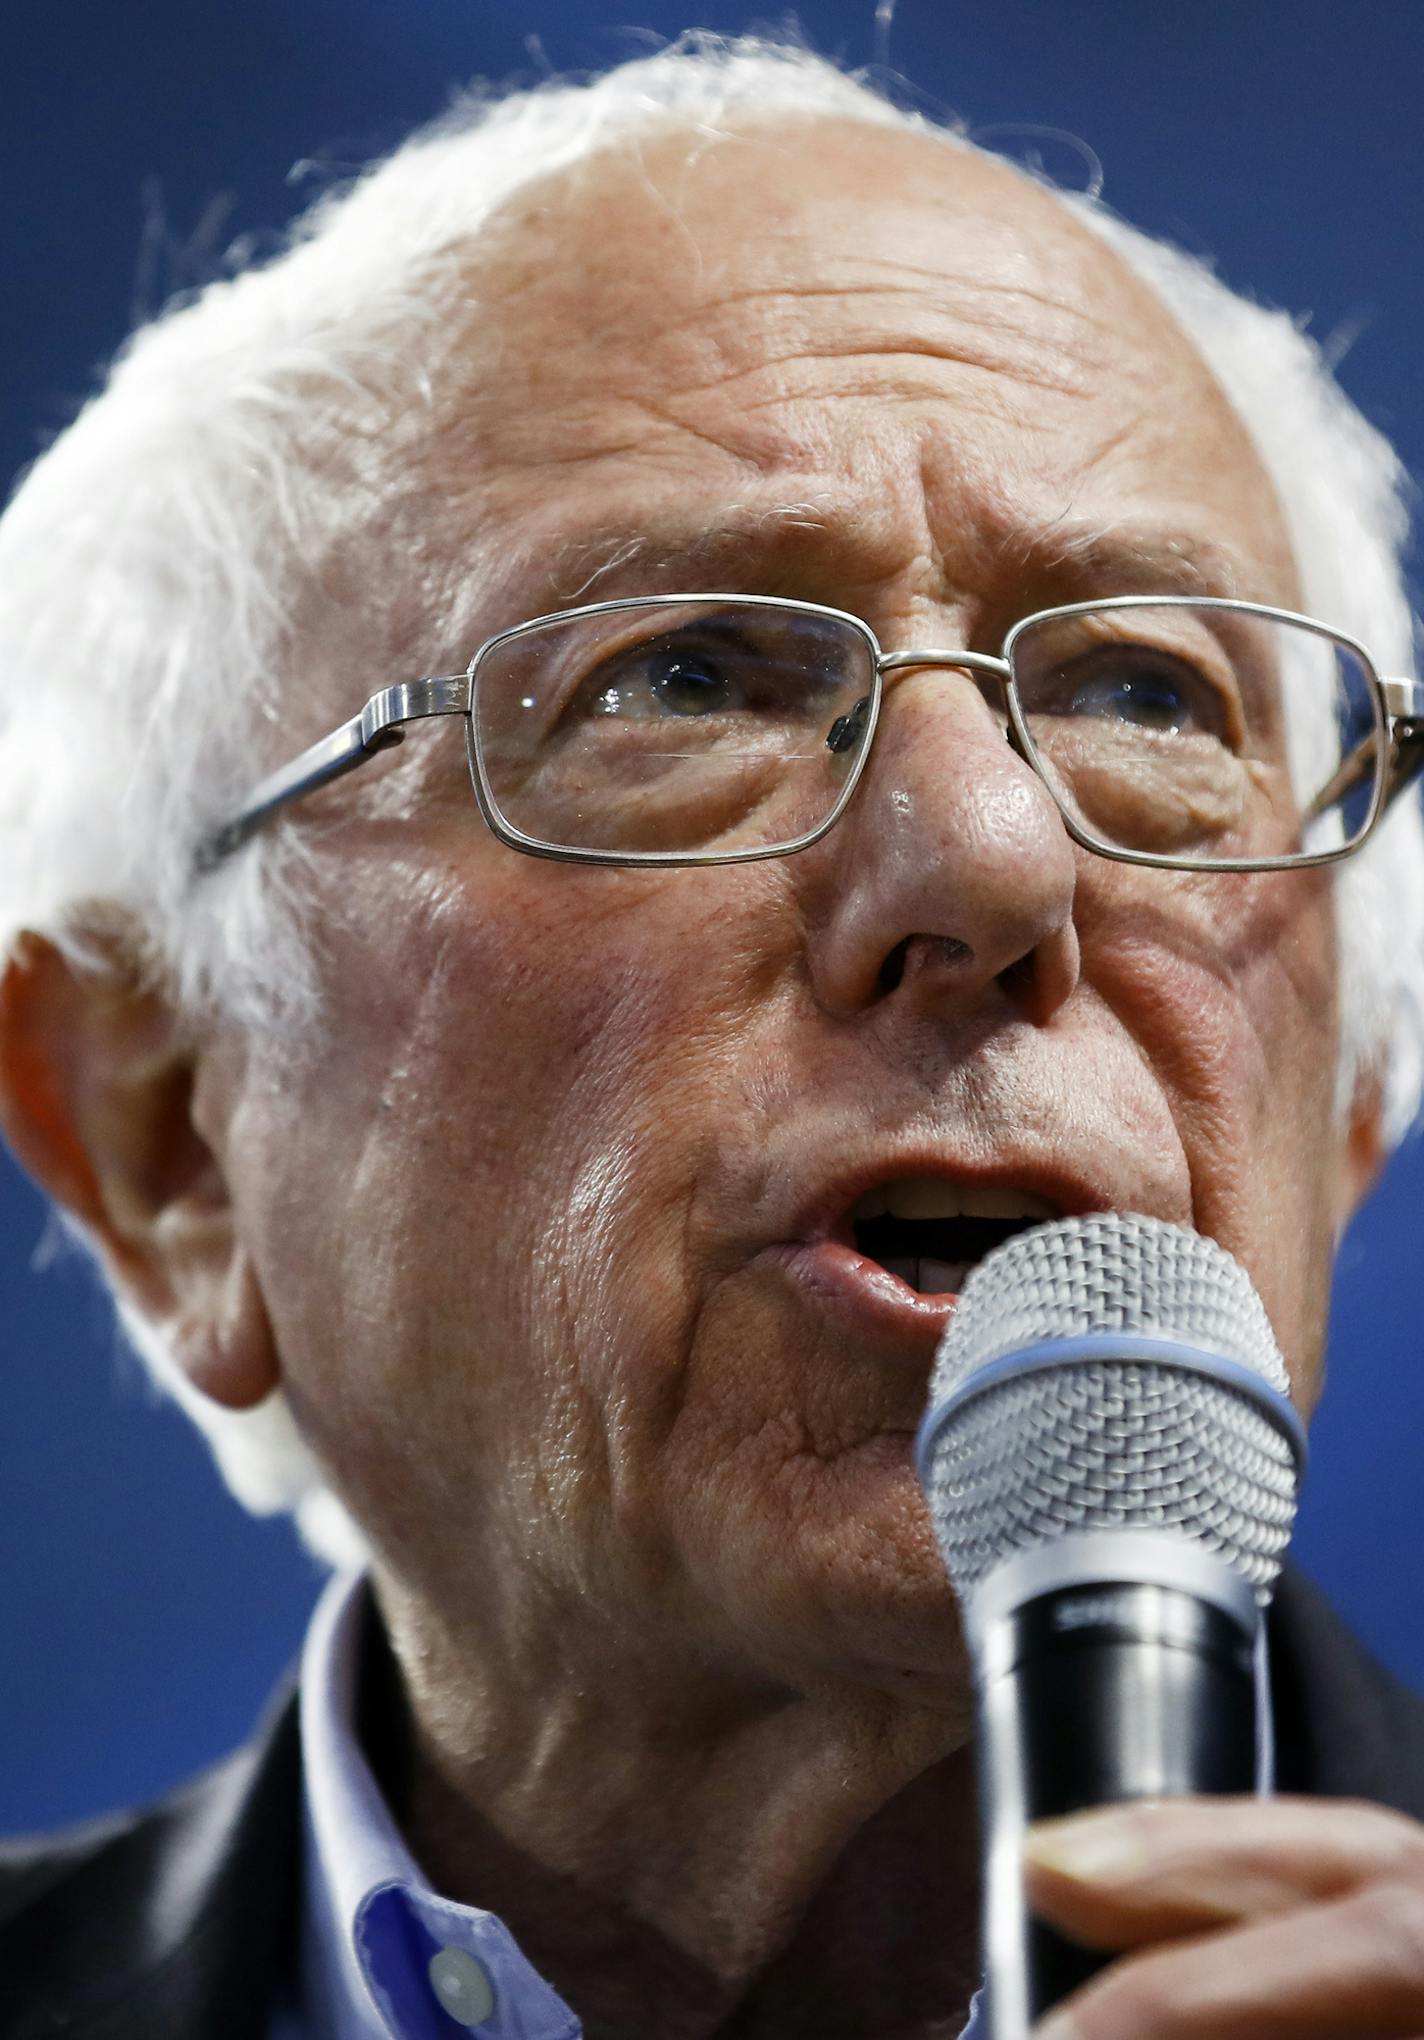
1087, 1695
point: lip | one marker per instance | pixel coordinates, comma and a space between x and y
870, 1300
819, 1254
826, 1214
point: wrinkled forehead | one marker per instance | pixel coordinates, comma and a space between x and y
813, 207
681, 267
779, 314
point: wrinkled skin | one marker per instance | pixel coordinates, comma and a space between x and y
678, 1684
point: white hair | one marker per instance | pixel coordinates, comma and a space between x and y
152, 563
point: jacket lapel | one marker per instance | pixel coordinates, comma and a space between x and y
177, 1926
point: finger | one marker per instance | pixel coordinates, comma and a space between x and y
1352, 1969
1146, 1872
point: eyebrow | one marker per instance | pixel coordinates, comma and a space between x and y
1153, 561
577, 568
1080, 562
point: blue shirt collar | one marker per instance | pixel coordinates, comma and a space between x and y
384, 1957
382, 1953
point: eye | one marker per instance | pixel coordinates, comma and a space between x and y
1147, 690
674, 680
688, 683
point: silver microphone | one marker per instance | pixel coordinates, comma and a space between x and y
1110, 1458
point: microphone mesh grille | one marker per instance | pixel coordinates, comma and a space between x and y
1112, 1444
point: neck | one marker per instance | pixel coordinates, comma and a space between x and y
686, 1856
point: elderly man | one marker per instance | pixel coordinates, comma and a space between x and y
546, 1156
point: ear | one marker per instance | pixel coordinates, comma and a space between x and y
1363, 1151
96, 1100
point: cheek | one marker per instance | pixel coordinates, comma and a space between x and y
521, 1090
1228, 984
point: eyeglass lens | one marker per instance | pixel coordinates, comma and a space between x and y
680, 729
1176, 729
1187, 730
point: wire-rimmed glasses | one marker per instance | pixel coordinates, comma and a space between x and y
1187, 732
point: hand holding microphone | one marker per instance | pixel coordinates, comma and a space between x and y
1110, 1458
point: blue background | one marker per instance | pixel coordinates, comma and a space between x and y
143, 1617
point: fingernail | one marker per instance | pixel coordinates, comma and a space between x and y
1092, 1847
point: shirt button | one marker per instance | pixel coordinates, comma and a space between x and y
462, 1986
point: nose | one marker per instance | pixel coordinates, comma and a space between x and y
953, 876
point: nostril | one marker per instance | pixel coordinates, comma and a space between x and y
1039, 981
923, 953
948, 949
892, 970
1017, 978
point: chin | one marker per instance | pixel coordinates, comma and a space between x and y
873, 1615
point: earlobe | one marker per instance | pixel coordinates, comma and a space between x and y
96, 1096
227, 1350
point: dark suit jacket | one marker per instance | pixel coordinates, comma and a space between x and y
180, 1923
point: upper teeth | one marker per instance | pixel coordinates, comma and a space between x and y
934, 1197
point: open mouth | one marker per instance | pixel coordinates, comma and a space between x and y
930, 1232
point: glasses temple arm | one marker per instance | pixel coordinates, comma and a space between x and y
1358, 766
1406, 756
1404, 734
375, 729
1404, 725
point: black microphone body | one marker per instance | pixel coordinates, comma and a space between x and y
1110, 1459
1090, 1694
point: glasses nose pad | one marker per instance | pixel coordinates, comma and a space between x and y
994, 693
848, 729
